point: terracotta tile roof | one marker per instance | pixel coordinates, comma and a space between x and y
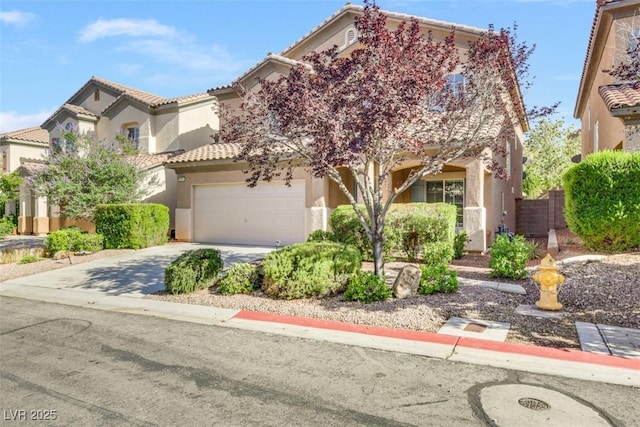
216, 151
147, 160
31, 165
623, 95
33, 134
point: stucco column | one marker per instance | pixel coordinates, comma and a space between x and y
475, 213
40, 216
316, 210
25, 225
55, 218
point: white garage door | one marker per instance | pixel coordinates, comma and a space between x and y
237, 214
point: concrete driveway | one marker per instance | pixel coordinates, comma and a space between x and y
135, 273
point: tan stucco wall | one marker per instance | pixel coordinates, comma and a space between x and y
165, 127
86, 100
611, 129
232, 173
196, 124
127, 114
165, 192
16, 151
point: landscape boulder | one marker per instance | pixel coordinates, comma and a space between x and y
407, 282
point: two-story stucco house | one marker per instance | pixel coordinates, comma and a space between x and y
214, 203
16, 146
158, 128
608, 109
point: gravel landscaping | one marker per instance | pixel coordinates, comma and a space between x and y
606, 292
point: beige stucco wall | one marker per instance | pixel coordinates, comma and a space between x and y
611, 129
166, 129
86, 99
127, 114
196, 124
17, 151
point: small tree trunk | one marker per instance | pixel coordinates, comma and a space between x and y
378, 256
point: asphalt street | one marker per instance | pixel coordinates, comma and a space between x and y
63, 365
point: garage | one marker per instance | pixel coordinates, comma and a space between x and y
237, 214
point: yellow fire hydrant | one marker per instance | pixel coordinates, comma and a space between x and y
550, 281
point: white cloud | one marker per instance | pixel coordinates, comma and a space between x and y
15, 17
124, 27
10, 120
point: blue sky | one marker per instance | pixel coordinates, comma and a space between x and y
50, 48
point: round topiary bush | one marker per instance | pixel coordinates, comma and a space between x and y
602, 200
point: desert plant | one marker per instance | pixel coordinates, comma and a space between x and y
458, 244
366, 287
239, 279
73, 239
437, 278
509, 257
30, 259
309, 269
192, 270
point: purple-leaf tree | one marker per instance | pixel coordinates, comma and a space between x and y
390, 101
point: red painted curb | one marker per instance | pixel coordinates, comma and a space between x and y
502, 347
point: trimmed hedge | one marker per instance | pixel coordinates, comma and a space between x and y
311, 269
132, 225
408, 227
74, 240
602, 200
192, 270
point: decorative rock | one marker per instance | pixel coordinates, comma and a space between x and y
63, 255
407, 282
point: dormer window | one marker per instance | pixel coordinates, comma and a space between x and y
350, 36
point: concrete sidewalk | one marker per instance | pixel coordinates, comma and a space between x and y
119, 284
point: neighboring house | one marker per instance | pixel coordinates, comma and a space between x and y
157, 127
214, 203
16, 146
608, 109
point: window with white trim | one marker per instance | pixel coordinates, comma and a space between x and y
440, 191
132, 132
456, 84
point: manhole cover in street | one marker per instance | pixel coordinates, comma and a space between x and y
535, 404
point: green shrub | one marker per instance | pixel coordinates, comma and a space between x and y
408, 227
458, 244
437, 278
74, 240
602, 200
437, 253
239, 279
509, 257
7, 224
29, 259
132, 226
412, 225
366, 287
347, 229
192, 270
321, 236
309, 269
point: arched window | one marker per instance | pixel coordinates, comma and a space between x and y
132, 132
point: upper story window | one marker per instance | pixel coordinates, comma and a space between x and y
132, 132
634, 41
456, 84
